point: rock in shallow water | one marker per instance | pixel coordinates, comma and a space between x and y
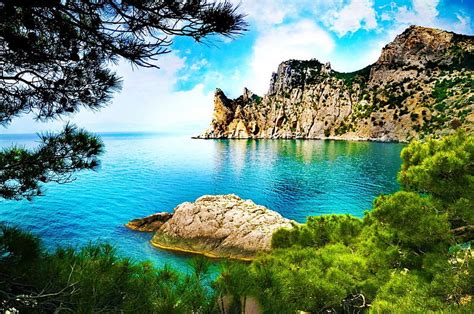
149, 224
220, 226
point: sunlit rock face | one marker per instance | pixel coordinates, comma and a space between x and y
422, 84
149, 224
220, 226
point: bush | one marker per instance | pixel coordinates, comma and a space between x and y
414, 116
319, 231
411, 221
94, 279
402, 257
443, 168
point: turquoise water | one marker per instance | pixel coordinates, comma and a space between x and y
144, 173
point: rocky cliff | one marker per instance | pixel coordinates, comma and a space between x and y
216, 226
422, 84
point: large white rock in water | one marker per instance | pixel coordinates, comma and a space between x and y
220, 226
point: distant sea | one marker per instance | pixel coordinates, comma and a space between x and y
141, 174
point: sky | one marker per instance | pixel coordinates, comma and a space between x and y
178, 97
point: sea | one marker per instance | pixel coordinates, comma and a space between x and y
144, 173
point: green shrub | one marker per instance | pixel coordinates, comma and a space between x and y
94, 279
402, 257
414, 116
319, 231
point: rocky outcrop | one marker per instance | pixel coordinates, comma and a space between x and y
220, 226
149, 224
422, 84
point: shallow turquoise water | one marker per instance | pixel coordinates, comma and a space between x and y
143, 173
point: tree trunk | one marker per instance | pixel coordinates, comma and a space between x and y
464, 233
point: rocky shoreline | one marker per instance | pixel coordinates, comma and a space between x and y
217, 226
150, 223
421, 85
330, 138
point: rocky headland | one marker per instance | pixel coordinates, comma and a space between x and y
422, 84
216, 226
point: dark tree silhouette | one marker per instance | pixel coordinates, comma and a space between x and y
55, 160
55, 57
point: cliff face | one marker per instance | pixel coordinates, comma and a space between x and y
422, 84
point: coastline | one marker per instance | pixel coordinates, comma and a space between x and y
330, 138
206, 254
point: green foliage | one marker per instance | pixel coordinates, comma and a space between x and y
22, 171
440, 106
237, 281
405, 293
305, 64
414, 116
440, 91
18, 247
444, 88
363, 110
447, 108
395, 100
312, 279
343, 128
349, 78
443, 168
411, 221
55, 55
319, 231
95, 279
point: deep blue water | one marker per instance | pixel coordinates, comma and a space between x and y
144, 173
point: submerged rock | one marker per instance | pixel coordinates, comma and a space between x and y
220, 226
149, 224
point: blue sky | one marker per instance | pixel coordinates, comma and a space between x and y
179, 96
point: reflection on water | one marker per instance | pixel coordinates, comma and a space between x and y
300, 178
142, 174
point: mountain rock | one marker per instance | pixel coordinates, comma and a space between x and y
150, 223
422, 84
220, 226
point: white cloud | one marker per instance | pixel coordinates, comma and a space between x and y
147, 102
426, 13
357, 14
231, 82
426, 9
360, 58
198, 65
423, 12
385, 17
301, 40
262, 13
464, 24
